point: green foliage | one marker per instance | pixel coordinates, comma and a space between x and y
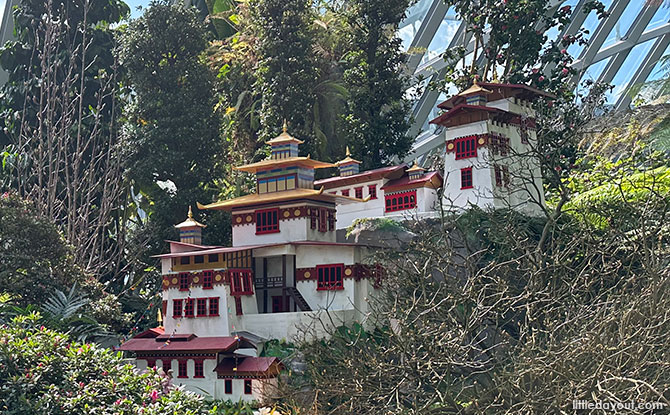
173, 131
287, 70
377, 116
517, 43
34, 257
231, 408
92, 19
41, 371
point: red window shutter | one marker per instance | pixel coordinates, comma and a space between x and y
358, 192
183, 369
202, 307
183, 281
372, 191
207, 280
466, 147
466, 178
267, 221
345, 192
238, 306
400, 201
214, 306
323, 220
189, 307
177, 307
199, 369
330, 277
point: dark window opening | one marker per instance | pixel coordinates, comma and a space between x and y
329, 277
267, 221
466, 178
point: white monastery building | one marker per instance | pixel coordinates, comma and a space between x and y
285, 268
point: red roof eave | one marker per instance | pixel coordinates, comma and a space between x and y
465, 107
405, 182
375, 174
194, 345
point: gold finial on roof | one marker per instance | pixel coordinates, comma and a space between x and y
285, 126
190, 222
347, 159
415, 167
495, 76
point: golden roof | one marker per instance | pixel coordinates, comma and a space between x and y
256, 198
475, 89
299, 161
415, 167
347, 159
190, 222
284, 137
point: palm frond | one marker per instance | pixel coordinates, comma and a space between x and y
61, 306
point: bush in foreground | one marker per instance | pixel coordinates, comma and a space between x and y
42, 372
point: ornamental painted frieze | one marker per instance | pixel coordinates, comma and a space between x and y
284, 214
195, 279
355, 271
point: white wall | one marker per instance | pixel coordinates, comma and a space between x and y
200, 326
348, 213
297, 229
525, 192
291, 326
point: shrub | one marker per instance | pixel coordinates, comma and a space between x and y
42, 372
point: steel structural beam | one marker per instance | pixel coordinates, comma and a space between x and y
644, 70
623, 45
599, 36
426, 33
633, 38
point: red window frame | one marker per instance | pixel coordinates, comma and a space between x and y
372, 191
151, 362
177, 308
248, 387
330, 277
207, 280
164, 307
183, 281
189, 308
267, 221
498, 175
199, 369
345, 192
323, 220
228, 386
214, 306
313, 217
499, 144
238, 306
466, 178
241, 281
167, 364
358, 191
400, 201
332, 221
466, 147
182, 370
201, 307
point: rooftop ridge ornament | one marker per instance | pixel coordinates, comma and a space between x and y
285, 126
190, 222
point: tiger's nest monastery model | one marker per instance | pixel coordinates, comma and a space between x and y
286, 268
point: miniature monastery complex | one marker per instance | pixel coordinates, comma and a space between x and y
286, 268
